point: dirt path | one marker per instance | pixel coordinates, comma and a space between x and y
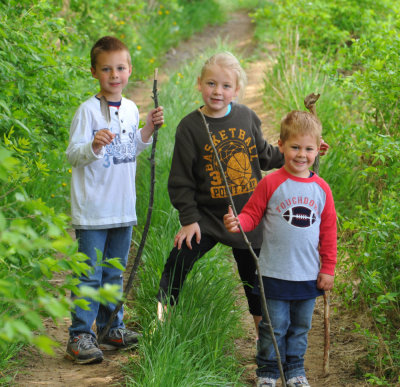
43, 370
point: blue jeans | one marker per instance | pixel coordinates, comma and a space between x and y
291, 321
113, 243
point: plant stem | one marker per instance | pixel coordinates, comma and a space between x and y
263, 299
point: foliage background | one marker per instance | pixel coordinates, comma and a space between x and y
346, 49
349, 52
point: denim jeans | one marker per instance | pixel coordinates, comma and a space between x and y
113, 243
291, 321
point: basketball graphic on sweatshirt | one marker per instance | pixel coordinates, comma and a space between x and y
236, 162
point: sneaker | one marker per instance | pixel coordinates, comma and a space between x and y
119, 339
266, 382
298, 381
83, 349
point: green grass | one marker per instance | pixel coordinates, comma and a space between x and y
9, 364
359, 120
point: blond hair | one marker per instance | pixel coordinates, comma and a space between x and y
229, 61
299, 122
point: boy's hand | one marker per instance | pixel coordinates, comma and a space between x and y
154, 117
325, 281
102, 138
323, 147
187, 232
230, 221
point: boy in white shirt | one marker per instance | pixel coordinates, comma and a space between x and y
103, 155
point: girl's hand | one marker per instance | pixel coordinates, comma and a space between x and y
230, 221
323, 147
102, 138
325, 281
187, 232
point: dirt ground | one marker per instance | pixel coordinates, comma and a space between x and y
43, 370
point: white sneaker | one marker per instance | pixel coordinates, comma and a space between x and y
298, 381
266, 382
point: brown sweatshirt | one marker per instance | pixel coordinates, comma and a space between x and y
195, 185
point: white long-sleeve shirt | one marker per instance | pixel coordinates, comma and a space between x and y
103, 193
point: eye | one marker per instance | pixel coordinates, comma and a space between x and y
105, 69
294, 147
309, 149
121, 68
227, 86
211, 84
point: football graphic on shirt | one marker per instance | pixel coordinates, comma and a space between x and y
300, 216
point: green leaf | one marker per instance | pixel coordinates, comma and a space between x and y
45, 344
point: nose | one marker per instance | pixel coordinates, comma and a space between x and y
301, 152
218, 89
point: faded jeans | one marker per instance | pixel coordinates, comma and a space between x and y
112, 242
291, 321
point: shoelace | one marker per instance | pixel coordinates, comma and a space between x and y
86, 341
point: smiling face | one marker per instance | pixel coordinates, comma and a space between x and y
300, 152
113, 70
218, 87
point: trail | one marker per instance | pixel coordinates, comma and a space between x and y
44, 370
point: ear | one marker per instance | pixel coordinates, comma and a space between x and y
130, 70
198, 84
93, 71
280, 145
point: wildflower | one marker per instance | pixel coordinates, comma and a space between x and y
151, 60
53, 196
160, 12
122, 36
70, 170
180, 75
166, 12
174, 23
138, 47
64, 184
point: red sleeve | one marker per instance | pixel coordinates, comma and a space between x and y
255, 208
328, 235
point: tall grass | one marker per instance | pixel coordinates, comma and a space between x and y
362, 170
194, 346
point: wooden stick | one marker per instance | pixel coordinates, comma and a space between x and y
309, 103
261, 284
136, 262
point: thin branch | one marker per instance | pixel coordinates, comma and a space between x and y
263, 299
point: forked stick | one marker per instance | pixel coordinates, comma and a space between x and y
309, 103
263, 299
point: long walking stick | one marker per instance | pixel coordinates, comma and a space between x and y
136, 262
309, 103
263, 299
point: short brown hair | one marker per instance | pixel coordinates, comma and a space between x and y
299, 122
108, 44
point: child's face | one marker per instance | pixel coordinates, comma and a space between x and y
218, 88
113, 71
300, 152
